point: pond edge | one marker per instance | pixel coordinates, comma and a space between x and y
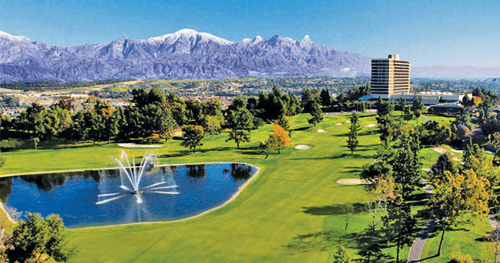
240, 189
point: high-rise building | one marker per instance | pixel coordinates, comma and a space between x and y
390, 75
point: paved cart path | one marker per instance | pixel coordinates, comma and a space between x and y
418, 245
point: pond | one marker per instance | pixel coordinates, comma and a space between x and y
184, 191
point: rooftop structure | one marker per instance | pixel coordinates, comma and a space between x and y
429, 98
390, 75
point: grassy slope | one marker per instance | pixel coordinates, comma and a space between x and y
266, 222
290, 213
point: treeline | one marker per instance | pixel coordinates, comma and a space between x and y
150, 117
51, 85
462, 192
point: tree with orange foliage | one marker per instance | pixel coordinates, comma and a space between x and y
278, 140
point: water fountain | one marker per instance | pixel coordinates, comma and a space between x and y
131, 176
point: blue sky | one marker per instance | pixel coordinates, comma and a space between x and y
424, 32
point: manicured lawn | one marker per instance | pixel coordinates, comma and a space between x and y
466, 239
294, 211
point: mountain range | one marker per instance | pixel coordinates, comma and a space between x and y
185, 54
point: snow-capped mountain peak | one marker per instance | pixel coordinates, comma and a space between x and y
306, 40
13, 38
185, 54
190, 34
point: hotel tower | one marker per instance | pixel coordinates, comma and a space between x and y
390, 76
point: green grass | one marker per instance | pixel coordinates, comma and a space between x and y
464, 239
292, 212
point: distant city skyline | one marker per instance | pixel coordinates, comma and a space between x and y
426, 33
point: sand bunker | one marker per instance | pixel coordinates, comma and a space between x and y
321, 130
457, 159
352, 181
426, 169
457, 151
133, 145
489, 152
371, 125
302, 147
338, 123
347, 121
440, 150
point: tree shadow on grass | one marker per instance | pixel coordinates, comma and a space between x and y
254, 150
216, 149
356, 171
337, 156
336, 209
365, 133
301, 128
256, 153
178, 154
319, 241
427, 258
373, 145
343, 155
367, 116
324, 240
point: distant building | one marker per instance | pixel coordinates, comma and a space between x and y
446, 108
390, 76
429, 98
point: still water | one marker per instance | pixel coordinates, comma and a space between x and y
74, 195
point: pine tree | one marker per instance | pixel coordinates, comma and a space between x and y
417, 107
384, 120
399, 223
317, 114
406, 164
352, 139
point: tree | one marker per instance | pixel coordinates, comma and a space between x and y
384, 120
380, 195
278, 140
193, 134
456, 194
178, 109
56, 243
39, 236
417, 107
213, 125
406, 165
317, 114
407, 114
352, 139
31, 121
372, 173
399, 223
442, 164
240, 121
283, 122
325, 98
151, 115
309, 98
433, 133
